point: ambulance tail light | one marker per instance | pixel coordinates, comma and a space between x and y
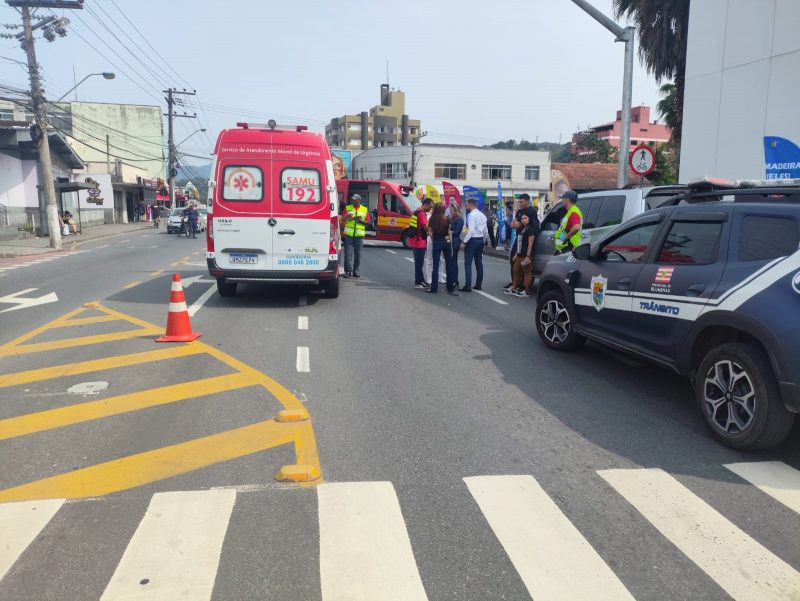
210, 233
334, 239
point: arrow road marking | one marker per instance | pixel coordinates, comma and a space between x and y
24, 303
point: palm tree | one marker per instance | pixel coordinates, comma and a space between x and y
663, 27
666, 107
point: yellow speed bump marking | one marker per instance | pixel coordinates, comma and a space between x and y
292, 425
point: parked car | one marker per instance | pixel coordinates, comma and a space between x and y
176, 222
707, 286
602, 212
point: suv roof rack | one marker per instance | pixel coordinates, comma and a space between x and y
714, 183
708, 189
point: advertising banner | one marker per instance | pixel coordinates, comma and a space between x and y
781, 158
342, 160
451, 194
501, 213
472, 192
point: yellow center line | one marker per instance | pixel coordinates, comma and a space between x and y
85, 367
150, 466
101, 408
52, 345
131, 285
157, 273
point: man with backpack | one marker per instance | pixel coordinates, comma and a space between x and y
418, 241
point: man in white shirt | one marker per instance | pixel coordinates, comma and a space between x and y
473, 244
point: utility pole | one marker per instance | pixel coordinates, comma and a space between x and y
414, 143
627, 35
39, 127
172, 161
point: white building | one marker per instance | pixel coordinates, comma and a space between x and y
742, 84
517, 170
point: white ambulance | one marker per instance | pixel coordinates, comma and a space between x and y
273, 213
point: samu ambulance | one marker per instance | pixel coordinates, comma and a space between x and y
273, 211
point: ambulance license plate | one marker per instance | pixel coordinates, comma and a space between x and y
239, 258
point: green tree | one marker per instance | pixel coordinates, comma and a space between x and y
589, 148
663, 28
665, 172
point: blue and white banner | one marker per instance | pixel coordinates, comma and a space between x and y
781, 158
501, 214
472, 192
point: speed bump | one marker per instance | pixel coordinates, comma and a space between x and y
291, 426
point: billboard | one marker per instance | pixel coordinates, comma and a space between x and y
342, 162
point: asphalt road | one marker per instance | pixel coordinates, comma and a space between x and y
460, 459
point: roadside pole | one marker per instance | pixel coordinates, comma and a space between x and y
173, 159
45, 166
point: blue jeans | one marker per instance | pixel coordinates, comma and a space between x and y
473, 251
454, 260
442, 247
419, 260
352, 253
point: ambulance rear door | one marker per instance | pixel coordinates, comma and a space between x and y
242, 234
302, 215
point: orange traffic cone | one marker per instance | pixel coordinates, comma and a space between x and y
178, 327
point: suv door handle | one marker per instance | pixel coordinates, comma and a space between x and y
286, 232
696, 289
623, 283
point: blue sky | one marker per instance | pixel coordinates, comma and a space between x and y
474, 72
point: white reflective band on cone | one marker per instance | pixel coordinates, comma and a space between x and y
177, 307
176, 287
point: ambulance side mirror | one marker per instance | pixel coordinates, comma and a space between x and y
583, 252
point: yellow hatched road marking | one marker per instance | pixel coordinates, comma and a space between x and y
157, 273
85, 367
74, 414
143, 468
132, 285
86, 321
80, 341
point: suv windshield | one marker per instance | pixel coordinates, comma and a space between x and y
177, 213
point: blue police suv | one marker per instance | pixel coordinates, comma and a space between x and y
708, 287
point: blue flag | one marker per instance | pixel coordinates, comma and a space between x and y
781, 158
471, 192
501, 214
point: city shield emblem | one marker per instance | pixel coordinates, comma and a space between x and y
599, 284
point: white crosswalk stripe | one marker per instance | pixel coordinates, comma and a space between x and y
20, 523
777, 479
554, 560
174, 554
740, 565
365, 552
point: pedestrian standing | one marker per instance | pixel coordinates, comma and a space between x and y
428, 264
491, 224
456, 229
356, 218
568, 234
474, 241
439, 231
191, 221
523, 208
523, 259
418, 240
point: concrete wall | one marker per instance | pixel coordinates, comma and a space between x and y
140, 145
742, 83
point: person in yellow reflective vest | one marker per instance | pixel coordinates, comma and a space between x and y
356, 218
568, 234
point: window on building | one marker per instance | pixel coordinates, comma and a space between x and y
449, 171
6, 114
493, 172
691, 243
765, 238
531, 172
414, 130
394, 170
29, 117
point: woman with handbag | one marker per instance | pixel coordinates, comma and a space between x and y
439, 231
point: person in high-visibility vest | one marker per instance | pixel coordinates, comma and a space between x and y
355, 220
568, 234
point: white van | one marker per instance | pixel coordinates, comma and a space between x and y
273, 214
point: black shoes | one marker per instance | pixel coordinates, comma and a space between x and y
355, 274
348, 274
465, 289
477, 288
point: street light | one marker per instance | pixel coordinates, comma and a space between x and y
105, 74
190, 135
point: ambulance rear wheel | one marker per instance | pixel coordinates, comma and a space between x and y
226, 288
331, 288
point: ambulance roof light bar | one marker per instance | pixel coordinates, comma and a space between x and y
271, 124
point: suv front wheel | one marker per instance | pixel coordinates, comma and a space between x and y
740, 399
555, 323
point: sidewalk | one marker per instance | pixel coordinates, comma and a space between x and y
38, 246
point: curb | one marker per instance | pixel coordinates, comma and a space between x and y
70, 245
